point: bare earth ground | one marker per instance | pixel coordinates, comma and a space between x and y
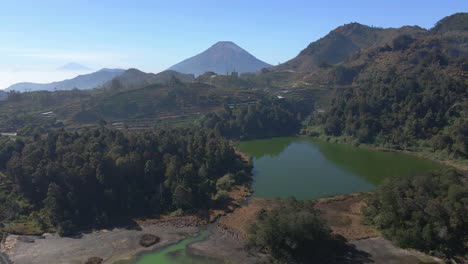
110, 245
224, 247
383, 251
343, 215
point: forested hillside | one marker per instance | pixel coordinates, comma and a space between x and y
410, 94
134, 79
343, 42
455, 22
267, 118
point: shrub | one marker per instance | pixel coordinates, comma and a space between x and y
294, 233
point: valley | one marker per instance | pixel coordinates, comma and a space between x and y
354, 151
278, 172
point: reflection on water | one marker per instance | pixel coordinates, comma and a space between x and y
374, 166
307, 168
268, 147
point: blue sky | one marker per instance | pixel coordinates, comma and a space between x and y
39, 36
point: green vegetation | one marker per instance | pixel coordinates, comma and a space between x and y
292, 232
267, 118
428, 212
342, 43
409, 96
69, 180
36, 112
400, 88
455, 22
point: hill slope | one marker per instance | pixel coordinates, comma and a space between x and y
221, 58
455, 22
3, 95
410, 95
133, 79
82, 82
342, 42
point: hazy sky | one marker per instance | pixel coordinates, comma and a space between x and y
38, 36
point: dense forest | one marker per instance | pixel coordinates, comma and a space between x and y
427, 212
267, 118
410, 95
68, 180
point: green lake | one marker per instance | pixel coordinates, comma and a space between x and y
305, 168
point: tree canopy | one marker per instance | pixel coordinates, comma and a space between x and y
267, 118
427, 212
81, 179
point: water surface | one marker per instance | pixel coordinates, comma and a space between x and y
307, 168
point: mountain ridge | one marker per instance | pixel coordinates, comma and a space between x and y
134, 78
342, 42
455, 22
82, 82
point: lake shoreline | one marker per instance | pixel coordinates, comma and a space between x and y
34, 249
343, 213
456, 164
424, 155
225, 240
110, 245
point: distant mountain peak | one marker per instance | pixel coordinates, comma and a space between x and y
110, 70
225, 42
72, 66
227, 45
222, 57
